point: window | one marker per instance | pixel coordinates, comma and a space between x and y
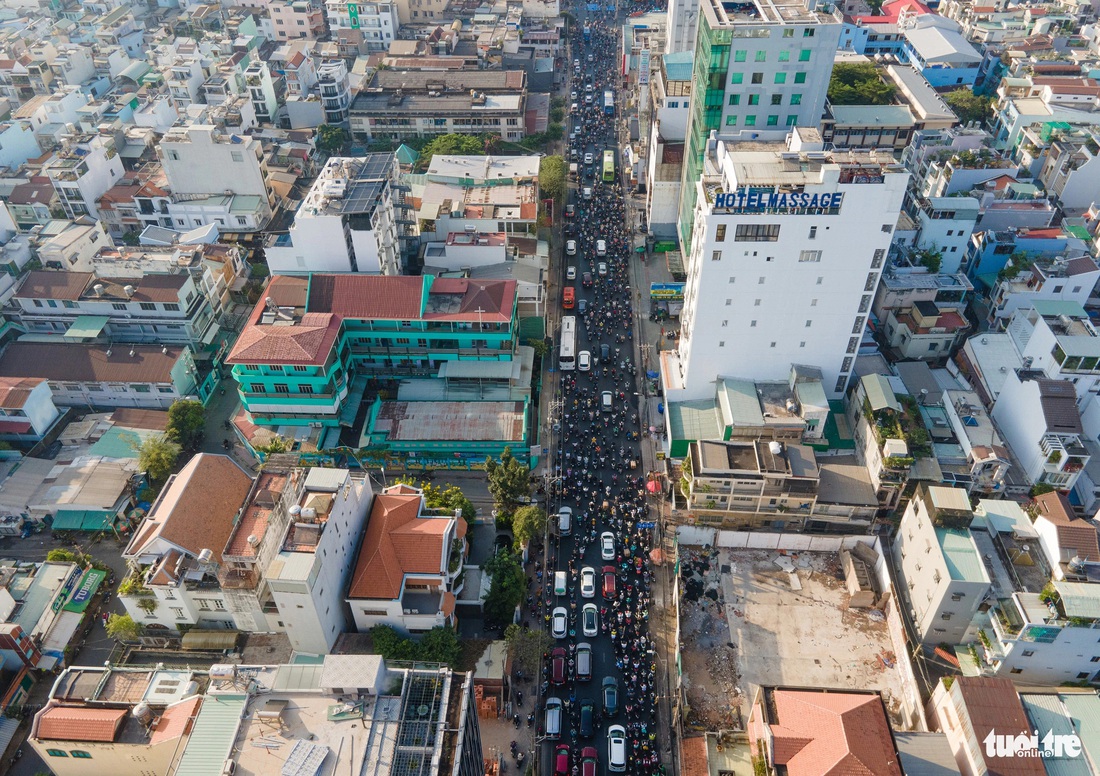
305, 388
37, 302
237, 156
720, 233
799, 78
740, 56
809, 324
282, 388
780, 78
204, 604
804, 55
119, 306
796, 99
762, 280
177, 613
733, 279
735, 99
808, 32
813, 232
956, 596
813, 303
172, 308
1083, 674
761, 56
756, 302
754, 99
140, 388
788, 33
857, 327
148, 306
773, 121
241, 221
756, 233
80, 754
784, 56
750, 121
729, 302
820, 279
945, 616
752, 324
219, 604
737, 78
773, 345
175, 157
731, 121
1029, 652
725, 323
814, 256
777, 99
802, 344
1016, 671
716, 256
757, 78
853, 345
721, 343
57, 753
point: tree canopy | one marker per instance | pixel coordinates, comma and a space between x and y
528, 523
330, 138
859, 84
969, 106
509, 483
123, 627
157, 457
506, 588
450, 145
439, 645
526, 648
449, 497
186, 423
552, 177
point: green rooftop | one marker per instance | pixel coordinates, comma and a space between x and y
212, 735
691, 421
961, 556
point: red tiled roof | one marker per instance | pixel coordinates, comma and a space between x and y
832, 734
891, 11
391, 297
37, 191
60, 361
398, 542
14, 426
175, 721
14, 391
68, 723
693, 756
307, 342
51, 284
993, 705
1074, 534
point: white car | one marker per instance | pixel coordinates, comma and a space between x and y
571, 249
601, 269
616, 748
588, 158
573, 94
607, 545
590, 620
584, 361
559, 623
601, 247
571, 271
588, 99
588, 582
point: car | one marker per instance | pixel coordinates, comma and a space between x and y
609, 582
590, 620
586, 280
601, 269
571, 250
591, 58
607, 546
588, 718
605, 351
588, 99
559, 622
610, 696
584, 661
573, 94
582, 306
616, 749
557, 666
571, 270
570, 211
572, 151
586, 192
574, 108
607, 401
577, 63
584, 360
561, 760
601, 247
589, 158
588, 582
565, 521
588, 87
589, 761
553, 718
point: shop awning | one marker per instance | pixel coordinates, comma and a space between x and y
87, 326
83, 520
209, 640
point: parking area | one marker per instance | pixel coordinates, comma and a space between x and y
752, 618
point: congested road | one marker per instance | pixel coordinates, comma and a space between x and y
598, 705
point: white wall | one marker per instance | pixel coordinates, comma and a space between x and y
17, 145
202, 166
40, 409
934, 236
1019, 418
318, 245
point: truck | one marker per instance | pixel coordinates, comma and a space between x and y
587, 32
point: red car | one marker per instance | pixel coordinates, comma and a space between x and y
561, 760
588, 761
557, 666
609, 582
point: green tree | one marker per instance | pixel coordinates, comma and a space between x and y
528, 523
506, 587
440, 645
509, 483
186, 423
540, 346
969, 106
448, 497
526, 648
552, 171
933, 260
65, 556
123, 627
859, 84
392, 645
450, 145
330, 139
157, 457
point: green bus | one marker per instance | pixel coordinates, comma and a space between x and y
609, 166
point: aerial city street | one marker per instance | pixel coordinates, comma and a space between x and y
549, 387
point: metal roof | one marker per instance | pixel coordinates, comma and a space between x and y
739, 402
209, 639
879, 393
294, 677
1052, 307
212, 735
1084, 710
87, 326
961, 556
694, 420
1079, 599
1047, 713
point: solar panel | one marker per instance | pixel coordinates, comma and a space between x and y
306, 759
369, 182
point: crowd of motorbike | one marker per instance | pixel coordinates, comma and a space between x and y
598, 468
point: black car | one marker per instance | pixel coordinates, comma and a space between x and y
588, 718
610, 696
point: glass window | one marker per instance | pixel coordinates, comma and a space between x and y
784, 56
175, 308
754, 99
773, 121
761, 56
804, 55
777, 99
800, 78
788, 33
148, 306
737, 78
758, 78
750, 121
735, 99
796, 99
739, 56
57, 753
139, 388
792, 120
80, 754
731, 121
808, 32
781, 78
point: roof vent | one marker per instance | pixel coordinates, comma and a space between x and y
205, 555
775, 448
129, 291
98, 289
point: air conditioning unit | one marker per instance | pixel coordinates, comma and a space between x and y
315, 424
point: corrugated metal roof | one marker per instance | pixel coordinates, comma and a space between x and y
1080, 599
694, 420
1084, 709
961, 556
209, 639
1046, 712
739, 402
879, 393
298, 676
213, 735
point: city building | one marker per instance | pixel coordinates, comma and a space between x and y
331, 717
940, 565
33, 203
409, 569
882, 430
27, 410
261, 86
84, 168
670, 88
66, 244
200, 161
353, 219
987, 460
780, 229
759, 68
924, 331
1062, 279
335, 88
936, 47
1040, 99
377, 22
296, 19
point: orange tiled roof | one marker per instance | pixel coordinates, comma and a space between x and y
68, 723
14, 391
693, 756
175, 721
1074, 534
398, 542
832, 734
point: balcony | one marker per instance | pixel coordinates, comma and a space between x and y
238, 579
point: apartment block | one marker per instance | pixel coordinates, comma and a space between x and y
200, 161
85, 168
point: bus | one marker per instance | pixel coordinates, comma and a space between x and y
609, 102
609, 166
567, 356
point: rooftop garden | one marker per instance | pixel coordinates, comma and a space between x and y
906, 425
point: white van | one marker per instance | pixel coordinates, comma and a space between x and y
553, 717
565, 521
616, 748
606, 401
560, 583
584, 662
586, 192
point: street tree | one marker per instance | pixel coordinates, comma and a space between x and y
123, 627
186, 424
969, 106
506, 588
330, 139
526, 648
528, 523
509, 483
157, 457
552, 176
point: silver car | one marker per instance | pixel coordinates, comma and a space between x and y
559, 623
590, 620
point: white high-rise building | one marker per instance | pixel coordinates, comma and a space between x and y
683, 23
789, 243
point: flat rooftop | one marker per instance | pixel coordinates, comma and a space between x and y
769, 627
451, 420
765, 12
